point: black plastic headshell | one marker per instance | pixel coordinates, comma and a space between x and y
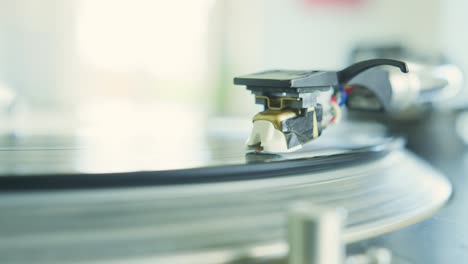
308, 81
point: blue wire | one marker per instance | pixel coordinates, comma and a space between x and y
344, 97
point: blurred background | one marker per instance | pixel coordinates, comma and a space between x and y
72, 56
102, 66
133, 77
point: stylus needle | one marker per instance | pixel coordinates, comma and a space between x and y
258, 149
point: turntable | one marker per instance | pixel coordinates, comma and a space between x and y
65, 199
136, 191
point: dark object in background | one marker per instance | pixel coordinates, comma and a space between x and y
422, 111
429, 128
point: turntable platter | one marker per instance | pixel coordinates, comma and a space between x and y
228, 206
88, 198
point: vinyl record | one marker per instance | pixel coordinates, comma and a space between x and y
216, 205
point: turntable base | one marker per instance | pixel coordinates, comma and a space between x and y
212, 222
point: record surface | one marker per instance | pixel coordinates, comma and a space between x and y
60, 204
46, 162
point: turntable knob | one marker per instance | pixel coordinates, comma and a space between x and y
315, 235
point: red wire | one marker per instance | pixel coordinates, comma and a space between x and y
348, 89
